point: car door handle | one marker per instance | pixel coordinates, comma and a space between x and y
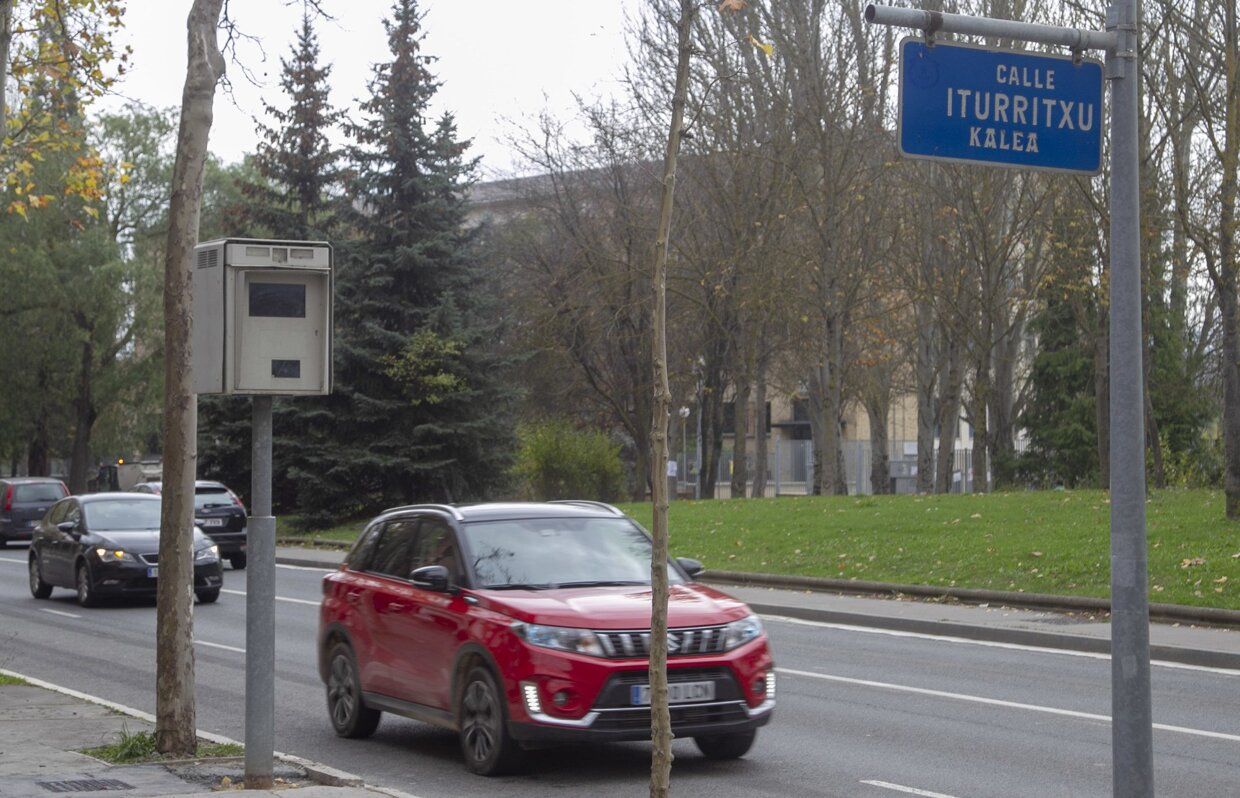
353, 596
394, 608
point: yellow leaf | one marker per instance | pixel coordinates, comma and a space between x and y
19, 208
769, 49
732, 5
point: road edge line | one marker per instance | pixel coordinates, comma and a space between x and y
317, 772
1095, 645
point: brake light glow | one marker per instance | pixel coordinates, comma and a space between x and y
8, 498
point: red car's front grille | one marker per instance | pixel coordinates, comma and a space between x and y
680, 642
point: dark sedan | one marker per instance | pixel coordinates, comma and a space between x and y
220, 513
107, 544
23, 501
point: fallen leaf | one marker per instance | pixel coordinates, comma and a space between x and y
1189, 562
976, 515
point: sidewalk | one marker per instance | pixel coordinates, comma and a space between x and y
1080, 631
42, 732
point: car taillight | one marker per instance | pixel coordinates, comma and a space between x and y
237, 500
65, 488
8, 498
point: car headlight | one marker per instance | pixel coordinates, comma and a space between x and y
579, 641
738, 633
207, 554
114, 555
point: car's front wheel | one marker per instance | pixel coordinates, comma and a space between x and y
349, 713
38, 588
485, 742
726, 746
237, 561
208, 596
86, 595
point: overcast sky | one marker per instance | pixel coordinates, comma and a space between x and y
498, 59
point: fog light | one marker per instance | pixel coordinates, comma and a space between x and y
770, 683
533, 704
561, 698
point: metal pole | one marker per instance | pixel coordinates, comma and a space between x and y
936, 21
1132, 759
260, 618
684, 452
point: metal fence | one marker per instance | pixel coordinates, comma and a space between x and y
790, 468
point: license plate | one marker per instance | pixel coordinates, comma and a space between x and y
677, 693
211, 522
153, 572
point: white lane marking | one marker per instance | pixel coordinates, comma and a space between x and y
886, 785
305, 568
278, 598
997, 702
993, 644
10, 559
219, 645
61, 613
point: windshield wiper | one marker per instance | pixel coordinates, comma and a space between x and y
603, 583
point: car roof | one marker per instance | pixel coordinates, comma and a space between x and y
500, 511
103, 497
29, 480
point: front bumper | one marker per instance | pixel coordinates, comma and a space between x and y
229, 542
600, 708
133, 579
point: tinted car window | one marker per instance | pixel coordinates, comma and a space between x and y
395, 549
552, 551
73, 513
211, 497
57, 513
359, 558
115, 515
435, 547
39, 492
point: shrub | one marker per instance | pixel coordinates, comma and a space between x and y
557, 461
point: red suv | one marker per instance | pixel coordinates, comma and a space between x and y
519, 625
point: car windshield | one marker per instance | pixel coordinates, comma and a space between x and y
39, 492
116, 515
211, 497
539, 553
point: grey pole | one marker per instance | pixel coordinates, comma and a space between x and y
260, 618
1132, 743
1132, 758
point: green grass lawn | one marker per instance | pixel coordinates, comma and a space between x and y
1037, 542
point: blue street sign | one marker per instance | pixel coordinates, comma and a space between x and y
1000, 107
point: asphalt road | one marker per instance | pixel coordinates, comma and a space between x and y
861, 712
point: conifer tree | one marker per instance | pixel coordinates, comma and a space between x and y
421, 408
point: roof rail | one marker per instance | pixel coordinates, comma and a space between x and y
443, 508
585, 503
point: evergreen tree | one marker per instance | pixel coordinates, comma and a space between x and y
1060, 413
297, 168
421, 407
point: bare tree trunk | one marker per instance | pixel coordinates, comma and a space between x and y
740, 438
175, 721
880, 467
925, 371
760, 431
712, 426
949, 419
38, 453
84, 421
1102, 398
660, 716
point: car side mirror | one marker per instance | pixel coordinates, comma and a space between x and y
68, 527
430, 577
690, 566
